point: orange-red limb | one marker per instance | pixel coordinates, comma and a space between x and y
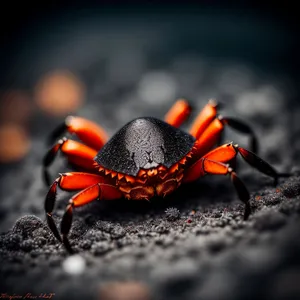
204, 118
68, 181
93, 187
78, 180
71, 182
206, 166
202, 127
178, 113
77, 154
213, 163
226, 153
72, 149
100, 191
223, 154
88, 132
209, 138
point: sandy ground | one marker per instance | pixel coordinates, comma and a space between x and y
134, 249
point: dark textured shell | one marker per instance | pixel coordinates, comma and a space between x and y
144, 143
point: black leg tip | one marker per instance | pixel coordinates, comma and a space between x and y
67, 245
254, 145
46, 177
53, 227
247, 212
56, 133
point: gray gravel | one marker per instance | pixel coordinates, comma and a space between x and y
192, 245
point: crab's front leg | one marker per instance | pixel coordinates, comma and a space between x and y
92, 187
72, 181
98, 191
214, 163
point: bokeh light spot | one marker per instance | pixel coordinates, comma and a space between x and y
59, 93
14, 143
124, 291
15, 107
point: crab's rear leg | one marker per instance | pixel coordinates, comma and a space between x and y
178, 113
243, 128
77, 154
209, 138
208, 122
204, 118
87, 131
98, 191
213, 163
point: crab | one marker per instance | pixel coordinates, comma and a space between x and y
147, 157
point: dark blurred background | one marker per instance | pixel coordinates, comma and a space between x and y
56, 57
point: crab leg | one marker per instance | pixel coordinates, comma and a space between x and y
206, 166
213, 163
243, 128
211, 135
78, 154
209, 138
88, 132
178, 113
213, 167
208, 127
70, 182
100, 191
226, 153
204, 118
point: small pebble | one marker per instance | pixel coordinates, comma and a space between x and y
172, 213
